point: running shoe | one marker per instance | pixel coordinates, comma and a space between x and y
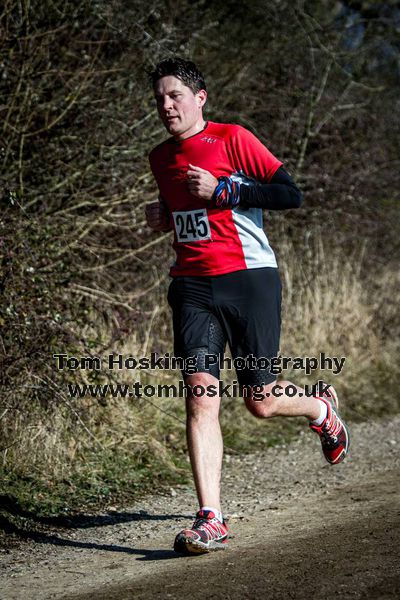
206, 535
333, 432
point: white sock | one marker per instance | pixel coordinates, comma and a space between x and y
216, 512
322, 414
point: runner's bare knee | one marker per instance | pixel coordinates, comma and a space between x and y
199, 403
261, 403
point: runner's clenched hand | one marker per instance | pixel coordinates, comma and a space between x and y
157, 216
201, 182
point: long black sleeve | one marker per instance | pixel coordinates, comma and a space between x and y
279, 194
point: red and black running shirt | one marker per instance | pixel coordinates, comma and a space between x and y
207, 240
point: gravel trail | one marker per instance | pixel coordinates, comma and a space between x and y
299, 529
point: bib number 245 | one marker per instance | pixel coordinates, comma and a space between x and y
192, 225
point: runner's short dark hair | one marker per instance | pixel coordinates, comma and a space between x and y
182, 69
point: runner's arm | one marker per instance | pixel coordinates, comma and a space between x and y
274, 188
280, 193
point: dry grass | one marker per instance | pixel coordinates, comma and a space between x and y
335, 303
73, 453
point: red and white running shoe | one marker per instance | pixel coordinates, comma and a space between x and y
333, 432
206, 535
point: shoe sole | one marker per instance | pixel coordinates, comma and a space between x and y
335, 403
334, 396
187, 545
346, 450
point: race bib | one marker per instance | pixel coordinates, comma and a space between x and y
192, 225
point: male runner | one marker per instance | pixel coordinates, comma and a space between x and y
214, 180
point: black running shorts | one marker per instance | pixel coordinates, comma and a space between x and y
242, 308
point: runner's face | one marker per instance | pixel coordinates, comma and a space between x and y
179, 108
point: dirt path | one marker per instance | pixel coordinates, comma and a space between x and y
300, 529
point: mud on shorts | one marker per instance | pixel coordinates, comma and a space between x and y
242, 308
